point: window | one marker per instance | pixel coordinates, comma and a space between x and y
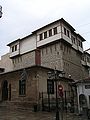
55, 30
65, 31
88, 59
81, 44
50, 32
41, 36
45, 34
68, 33
15, 47
22, 87
73, 39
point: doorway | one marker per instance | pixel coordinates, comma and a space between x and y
5, 90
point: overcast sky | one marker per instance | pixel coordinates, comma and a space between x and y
21, 17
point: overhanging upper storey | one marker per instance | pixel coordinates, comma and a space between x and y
59, 30
22, 46
14, 48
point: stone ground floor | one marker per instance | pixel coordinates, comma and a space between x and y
29, 114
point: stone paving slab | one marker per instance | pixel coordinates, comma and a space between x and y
19, 114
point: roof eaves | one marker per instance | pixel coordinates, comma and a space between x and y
13, 42
61, 20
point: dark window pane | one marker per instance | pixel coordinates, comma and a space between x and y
41, 36
65, 31
15, 47
55, 30
50, 32
45, 34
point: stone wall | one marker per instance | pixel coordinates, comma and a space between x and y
6, 62
23, 61
63, 57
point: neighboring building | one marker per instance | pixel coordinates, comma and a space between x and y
86, 63
83, 93
54, 46
6, 62
83, 86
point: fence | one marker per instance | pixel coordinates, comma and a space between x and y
49, 102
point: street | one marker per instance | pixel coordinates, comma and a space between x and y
28, 114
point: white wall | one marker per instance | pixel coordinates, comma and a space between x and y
28, 44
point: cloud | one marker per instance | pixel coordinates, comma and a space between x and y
21, 17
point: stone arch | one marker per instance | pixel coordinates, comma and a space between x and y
82, 100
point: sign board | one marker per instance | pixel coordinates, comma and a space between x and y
60, 90
50, 86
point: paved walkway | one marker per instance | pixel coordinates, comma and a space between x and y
20, 114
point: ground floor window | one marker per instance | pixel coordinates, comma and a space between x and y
22, 87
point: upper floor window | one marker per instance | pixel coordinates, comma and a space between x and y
55, 30
68, 33
80, 43
50, 32
88, 59
14, 48
64, 30
41, 36
73, 39
45, 34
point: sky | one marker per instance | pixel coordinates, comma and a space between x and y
21, 17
